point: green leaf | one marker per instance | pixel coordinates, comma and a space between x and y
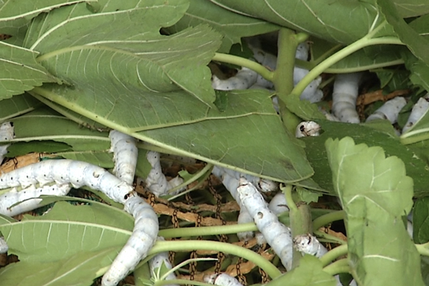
416, 43
325, 19
79, 269
140, 56
45, 124
15, 15
375, 193
381, 135
411, 8
420, 220
67, 230
239, 142
102, 159
19, 71
309, 272
231, 25
17, 105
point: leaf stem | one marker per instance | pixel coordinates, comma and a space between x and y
189, 245
339, 266
327, 219
207, 230
334, 254
239, 61
283, 76
423, 249
368, 40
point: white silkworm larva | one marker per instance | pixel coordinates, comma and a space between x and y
28, 198
156, 182
389, 110
66, 171
144, 236
222, 279
158, 260
419, 109
278, 204
125, 154
277, 235
262, 184
308, 244
244, 217
6, 134
345, 93
306, 129
242, 80
3, 245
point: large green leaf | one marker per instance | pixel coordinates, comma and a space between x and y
411, 8
116, 49
19, 70
325, 19
67, 230
372, 136
248, 135
231, 25
375, 193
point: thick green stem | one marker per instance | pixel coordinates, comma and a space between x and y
283, 76
414, 136
239, 61
327, 219
334, 254
423, 249
189, 245
339, 266
300, 220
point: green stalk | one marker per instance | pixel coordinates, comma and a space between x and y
327, 219
423, 249
339, 266
207, 230
300, 220
283, 76
239, 61
334, 254
189, 245
359, 44
414, 136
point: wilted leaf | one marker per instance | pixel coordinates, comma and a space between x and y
375, 193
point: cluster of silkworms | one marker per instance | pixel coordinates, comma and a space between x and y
55, 177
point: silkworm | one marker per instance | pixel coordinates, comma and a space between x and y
308, 244
222, 279
389, 110
242, 80
419, 109
142, 239
65, 171
3, 245
27, 198
278, 204
6, 134
277, 235
125, 154
306, 129
156, 182
345, 93
159, 260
